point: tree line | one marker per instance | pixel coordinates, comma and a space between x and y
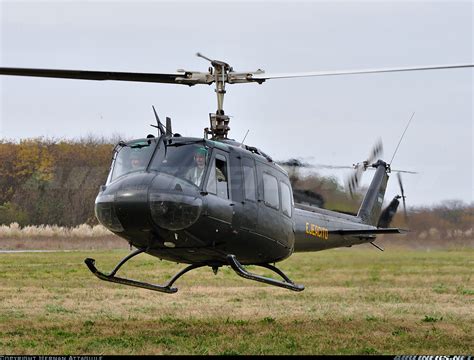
55, 182
47, 181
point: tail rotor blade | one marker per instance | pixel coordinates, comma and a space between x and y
353, 181
403, 196
400, 183
376, 152
405, 209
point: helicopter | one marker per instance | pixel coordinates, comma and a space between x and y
212, 201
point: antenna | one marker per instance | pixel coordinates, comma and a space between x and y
409, 121
242, 142
169, 131
160, 125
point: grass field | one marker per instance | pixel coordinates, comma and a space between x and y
357, 301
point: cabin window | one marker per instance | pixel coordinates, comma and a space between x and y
218, 182
249, 183
270, 191
285, 199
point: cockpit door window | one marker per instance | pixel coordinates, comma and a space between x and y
218, 182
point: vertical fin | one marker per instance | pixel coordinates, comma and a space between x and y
371, 206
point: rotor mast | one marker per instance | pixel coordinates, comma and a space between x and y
219, 121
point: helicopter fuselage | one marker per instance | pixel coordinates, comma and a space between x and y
250, 212
157, 208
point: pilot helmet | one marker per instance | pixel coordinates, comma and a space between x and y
134, 154
201, 151
135, 158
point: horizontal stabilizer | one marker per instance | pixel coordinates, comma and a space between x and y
356, 232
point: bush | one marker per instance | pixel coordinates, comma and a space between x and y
10, 213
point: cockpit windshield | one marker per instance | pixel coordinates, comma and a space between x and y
131, 157
186, 161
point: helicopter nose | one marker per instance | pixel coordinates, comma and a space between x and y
174, 211
105, 213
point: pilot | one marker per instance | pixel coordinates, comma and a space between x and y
196, 173
136, 162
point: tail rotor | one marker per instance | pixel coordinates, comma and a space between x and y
389, 212
402, 191
353, 182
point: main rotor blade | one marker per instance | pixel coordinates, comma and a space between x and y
403, 171
323, 166
178, 78
294, 162
194, 77
352, 72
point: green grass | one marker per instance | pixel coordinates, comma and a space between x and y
356, 301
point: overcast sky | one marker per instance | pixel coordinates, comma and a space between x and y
329, 120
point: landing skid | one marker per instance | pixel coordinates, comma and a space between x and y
231, 259
112, 278
241, 271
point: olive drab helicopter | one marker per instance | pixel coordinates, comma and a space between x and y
212, 201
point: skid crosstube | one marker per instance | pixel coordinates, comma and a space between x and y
241, 271
112, 278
